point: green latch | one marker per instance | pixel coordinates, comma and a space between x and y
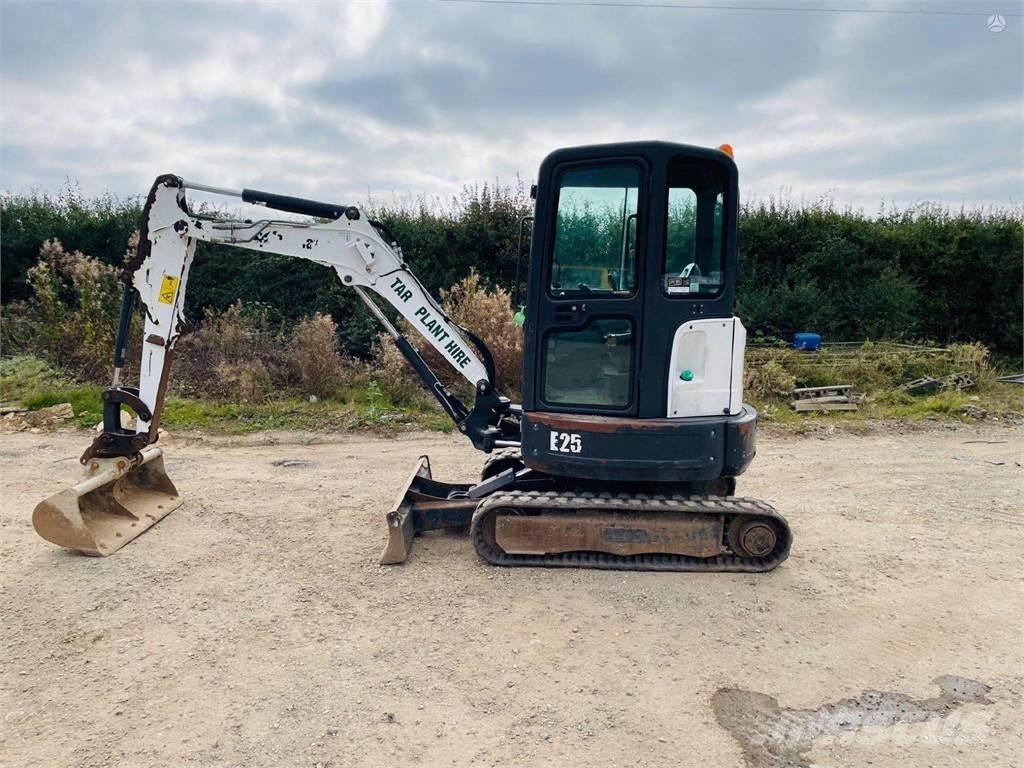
686, 375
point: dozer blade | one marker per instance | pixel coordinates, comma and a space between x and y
424, 504
117, 501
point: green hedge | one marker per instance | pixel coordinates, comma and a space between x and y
923, 273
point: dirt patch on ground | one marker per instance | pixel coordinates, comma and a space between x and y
777, 737
253, 626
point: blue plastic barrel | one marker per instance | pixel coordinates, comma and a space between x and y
809, 341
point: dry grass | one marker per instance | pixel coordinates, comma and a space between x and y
878, 369
233, 355
871, 367
238, 355
314, 353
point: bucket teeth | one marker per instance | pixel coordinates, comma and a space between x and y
118, 500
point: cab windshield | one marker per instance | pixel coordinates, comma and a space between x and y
596, 231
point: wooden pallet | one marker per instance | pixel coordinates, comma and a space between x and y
836, 390
837, 397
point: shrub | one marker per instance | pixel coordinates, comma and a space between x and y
314, 354
99, 226
900, 274
489, 315
70, 317
234, 354
393, 375
246, 380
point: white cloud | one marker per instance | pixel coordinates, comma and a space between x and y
340, 99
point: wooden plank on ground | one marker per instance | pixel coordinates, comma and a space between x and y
801, 405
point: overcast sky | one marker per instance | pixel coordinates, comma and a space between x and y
335, 100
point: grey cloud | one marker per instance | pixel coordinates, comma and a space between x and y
572, 60
940, 65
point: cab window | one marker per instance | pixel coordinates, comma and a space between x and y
596, 232
695, 224
592, 366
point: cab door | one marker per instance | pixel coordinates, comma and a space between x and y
584, 333
689, 282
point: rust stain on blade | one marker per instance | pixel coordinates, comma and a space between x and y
400, 521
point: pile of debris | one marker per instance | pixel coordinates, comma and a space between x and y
928, 385
838, 397
15, 418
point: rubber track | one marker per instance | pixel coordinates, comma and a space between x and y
606, 502
503, 454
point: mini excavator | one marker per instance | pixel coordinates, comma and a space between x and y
632, 430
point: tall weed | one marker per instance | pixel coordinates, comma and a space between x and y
314, 353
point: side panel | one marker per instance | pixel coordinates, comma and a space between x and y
660, 450
705, 372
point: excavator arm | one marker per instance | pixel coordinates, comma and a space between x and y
126, 489
359, 250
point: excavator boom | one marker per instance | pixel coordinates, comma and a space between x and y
126, 489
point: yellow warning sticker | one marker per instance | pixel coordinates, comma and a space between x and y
168, 288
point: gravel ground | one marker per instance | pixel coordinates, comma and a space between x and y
253, 626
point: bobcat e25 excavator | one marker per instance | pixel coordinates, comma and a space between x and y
632, 429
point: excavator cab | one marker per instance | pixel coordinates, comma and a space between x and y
633, 360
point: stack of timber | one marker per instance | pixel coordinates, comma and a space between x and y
839, 397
